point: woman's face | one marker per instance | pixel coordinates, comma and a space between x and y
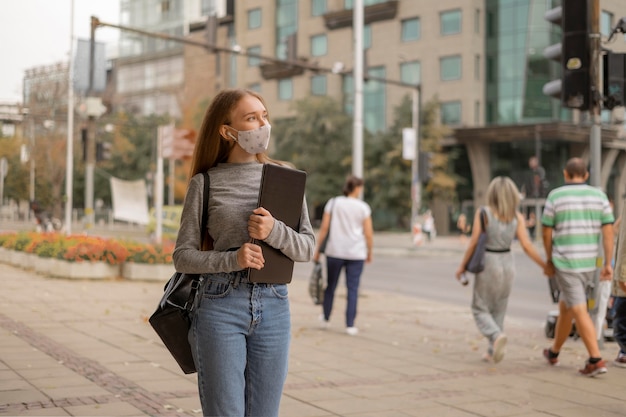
248, 114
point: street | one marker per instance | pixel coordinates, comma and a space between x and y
432, 277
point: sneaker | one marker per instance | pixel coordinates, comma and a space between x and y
591, 370
352, 331
498, 347
324, 324
620, 360
551, 360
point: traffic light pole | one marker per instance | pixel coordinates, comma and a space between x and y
595, 138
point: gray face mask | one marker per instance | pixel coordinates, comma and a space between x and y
253, 141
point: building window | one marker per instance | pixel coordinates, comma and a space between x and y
367, 36
318, 85
254, 19
477, 21
286, 24
285, 89
373, 100
411, 72
253, 61
450, 22
477, 113
606, 23
410, 29
318, 7
255, 87
348, 4
451, 113
477, 67
319, 45
450, 68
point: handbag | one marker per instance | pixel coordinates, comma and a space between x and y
172, 318
316, 284
476, 262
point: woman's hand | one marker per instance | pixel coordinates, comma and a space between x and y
260, 224
250, 255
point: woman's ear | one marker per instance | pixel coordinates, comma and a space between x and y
225, 133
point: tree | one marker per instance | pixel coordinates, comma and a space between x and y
317, 140
388, 175
442, 182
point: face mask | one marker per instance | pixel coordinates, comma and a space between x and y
253, 141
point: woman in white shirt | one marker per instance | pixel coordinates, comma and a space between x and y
347, 221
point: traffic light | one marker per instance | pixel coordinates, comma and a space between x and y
83, 139
614, 83
573, 53
425, 166
103, 151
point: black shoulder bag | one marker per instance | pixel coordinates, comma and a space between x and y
172, 318
476, 262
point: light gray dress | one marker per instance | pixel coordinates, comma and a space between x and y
492, 287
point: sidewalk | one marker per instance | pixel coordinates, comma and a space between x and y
85, 348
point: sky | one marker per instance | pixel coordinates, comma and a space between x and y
37, 32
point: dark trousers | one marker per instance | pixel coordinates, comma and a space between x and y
353, 277
619, 323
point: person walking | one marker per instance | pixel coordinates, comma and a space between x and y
349, 247
574, 217
240, 331
619, 294
492, 287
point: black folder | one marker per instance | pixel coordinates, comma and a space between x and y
282, 194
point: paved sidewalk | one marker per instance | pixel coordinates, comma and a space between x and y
85, 348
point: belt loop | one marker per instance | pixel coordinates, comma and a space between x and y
236, 280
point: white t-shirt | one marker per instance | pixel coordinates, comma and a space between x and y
347, 239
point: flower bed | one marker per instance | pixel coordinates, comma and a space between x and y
83, 256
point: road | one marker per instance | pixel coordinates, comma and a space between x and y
433, 278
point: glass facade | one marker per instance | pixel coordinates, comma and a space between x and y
516, 70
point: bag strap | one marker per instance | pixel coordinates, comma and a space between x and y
482, 219
205, 207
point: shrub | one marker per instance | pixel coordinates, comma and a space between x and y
85, 248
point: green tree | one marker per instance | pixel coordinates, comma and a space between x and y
16, 185
317, 140
388, 175
442, 182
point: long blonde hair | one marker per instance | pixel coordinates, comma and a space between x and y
211, 148
503, 198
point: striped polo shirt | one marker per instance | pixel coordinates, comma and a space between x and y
576, 212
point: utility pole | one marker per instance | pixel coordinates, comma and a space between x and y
595, 139
69, 157
357, 127
90, 144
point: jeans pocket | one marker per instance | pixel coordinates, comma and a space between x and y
216, 287
280, 291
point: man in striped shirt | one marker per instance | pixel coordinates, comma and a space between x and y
574, 217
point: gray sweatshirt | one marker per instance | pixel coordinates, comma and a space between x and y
234, 191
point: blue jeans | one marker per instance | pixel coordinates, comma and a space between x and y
240, 338
619, 323
353, 277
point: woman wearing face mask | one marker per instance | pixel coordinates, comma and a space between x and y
241, 331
